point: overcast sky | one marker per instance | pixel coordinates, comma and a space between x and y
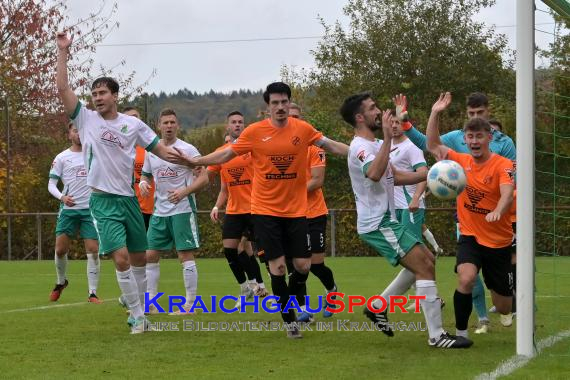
234, 65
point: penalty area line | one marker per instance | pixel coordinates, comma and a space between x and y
47, 307
518, 361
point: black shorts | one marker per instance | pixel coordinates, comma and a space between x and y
317, 234
494, 263
237, 225
146, 218
277, 236
514, 245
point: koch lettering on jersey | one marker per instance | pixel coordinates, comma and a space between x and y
109, 139
164, 174
282, 163
236, 174
475, 197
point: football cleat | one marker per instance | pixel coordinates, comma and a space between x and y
447, 340
380, 320
57, 290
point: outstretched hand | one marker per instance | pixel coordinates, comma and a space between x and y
63, 41
442, 102
176, 156
401, 103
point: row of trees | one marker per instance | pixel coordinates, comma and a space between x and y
416, 47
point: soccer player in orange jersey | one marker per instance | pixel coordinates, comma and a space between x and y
278, 146
483, 209
317, 223
235, 189
146, 203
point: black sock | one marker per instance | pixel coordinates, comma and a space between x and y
514, 270
233, 260
279, 287
246, 264
298, 286
324, 274
254, 265
290, 266
463, 305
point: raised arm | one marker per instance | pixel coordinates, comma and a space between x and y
434, 143
378, 167
65, 92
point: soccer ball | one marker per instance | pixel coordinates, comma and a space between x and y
446, 179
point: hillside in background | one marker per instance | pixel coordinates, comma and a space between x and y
201, 110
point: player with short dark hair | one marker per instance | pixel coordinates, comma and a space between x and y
373, 180
278, 146
74, 215
483, 210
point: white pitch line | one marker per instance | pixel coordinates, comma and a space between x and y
47, 307
519, 361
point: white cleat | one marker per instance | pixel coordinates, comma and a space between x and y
482, 327
185, 312
507, 319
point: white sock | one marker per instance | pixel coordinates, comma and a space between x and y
398, 286
61, 268
190, 274
140, 278
431, 307
462, 333
252, 283
431, 239
93, 269
261, 285
129, 288
152, 278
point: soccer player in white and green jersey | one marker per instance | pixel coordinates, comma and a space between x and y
68, 167
109, 139
173, 221
373, 181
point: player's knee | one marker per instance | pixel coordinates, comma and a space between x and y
278, 270
466, 281
60, 252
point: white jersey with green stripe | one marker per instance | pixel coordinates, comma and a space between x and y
169, 177
373, 199
69, 168
109, 148
407, 157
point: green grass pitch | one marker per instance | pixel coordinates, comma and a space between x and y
84, 340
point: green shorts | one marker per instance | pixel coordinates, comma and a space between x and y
70, 221
119, 222
392, 240
180, 230
412, 220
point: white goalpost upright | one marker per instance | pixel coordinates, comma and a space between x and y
525, 117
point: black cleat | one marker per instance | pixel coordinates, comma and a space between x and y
380, 320
447, 340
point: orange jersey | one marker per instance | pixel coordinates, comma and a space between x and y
514, 208
237, 174
146, 203
481, 196
279, 159
316, 205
